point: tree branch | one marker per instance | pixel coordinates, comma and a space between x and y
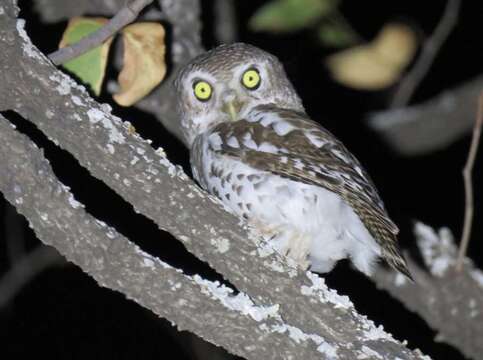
64, 111
467, 177
430, 126
232, 321
125, 16
183, 16
430, 49
52, 11
225, 21
25, 269
450, 301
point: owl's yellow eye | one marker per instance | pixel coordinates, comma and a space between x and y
251, 79
202, 90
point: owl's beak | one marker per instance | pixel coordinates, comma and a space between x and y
231, 104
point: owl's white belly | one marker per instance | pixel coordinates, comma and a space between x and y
310, 224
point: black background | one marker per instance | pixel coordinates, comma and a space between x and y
63, 314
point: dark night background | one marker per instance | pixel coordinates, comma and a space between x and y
64, 314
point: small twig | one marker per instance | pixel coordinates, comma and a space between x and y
430, 49
225, 21
467, 172
25, 269
13, 235
125, 16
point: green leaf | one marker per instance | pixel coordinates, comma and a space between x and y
290, 15
336, 35
89, 67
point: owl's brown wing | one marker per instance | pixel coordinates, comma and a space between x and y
288, 144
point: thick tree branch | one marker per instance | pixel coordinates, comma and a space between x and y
67, 115
432, 125
450, 301
59, 220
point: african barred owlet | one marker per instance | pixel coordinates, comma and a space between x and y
253, 146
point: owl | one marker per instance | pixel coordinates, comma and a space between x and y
253, 146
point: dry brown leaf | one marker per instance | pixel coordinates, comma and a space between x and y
144, 63
378, 64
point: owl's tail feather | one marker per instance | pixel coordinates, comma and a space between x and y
394, 258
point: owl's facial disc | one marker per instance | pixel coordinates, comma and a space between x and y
231, 104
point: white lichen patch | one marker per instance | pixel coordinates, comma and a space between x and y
368, 353
477, 275
168, 166
63, 88
134, 160
376, 333
102, 224
65, 84
222, 245
73, 202
297, 335
438, 249
151, 262
175, 286
77, 100
97, 116
159, 151
240, 302
330, 351
148, 263
27, 46
49, 114
320, 289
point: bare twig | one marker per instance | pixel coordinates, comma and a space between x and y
125, 16
430, 48
467, 171
225, 21
13, 235
25, 269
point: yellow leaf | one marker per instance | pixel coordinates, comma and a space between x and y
90, 67
378, 64
144, 66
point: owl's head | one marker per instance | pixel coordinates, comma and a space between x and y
224, 84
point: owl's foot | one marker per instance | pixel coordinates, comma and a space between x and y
287, 241
298, 249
